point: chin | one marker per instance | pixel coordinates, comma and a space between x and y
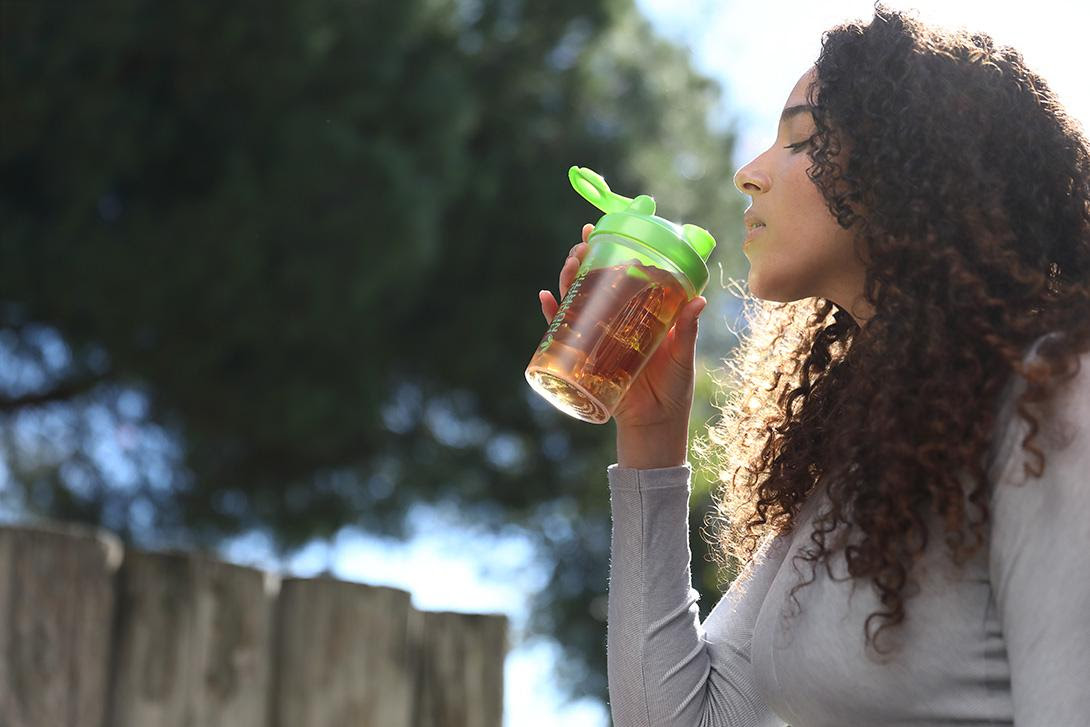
772, 291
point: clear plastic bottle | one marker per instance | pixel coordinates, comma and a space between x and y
639, 271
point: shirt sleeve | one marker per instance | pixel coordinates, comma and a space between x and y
664, 667
1040, 562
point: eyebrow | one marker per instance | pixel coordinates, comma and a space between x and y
792, 111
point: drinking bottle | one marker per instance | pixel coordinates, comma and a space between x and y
638, 272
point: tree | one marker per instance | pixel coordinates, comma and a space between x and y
273, 264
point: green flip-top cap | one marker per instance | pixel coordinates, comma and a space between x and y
686, 246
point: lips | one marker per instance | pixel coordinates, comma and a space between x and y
751, 220
753, 232
754, 225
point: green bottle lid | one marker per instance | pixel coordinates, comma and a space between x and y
686, 246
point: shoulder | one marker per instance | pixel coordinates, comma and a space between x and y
1062, 421
1023, 500
1040, 524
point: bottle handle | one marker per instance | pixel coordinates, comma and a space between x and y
592, 187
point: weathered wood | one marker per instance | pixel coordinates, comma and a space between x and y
343, 655
460, 673
182, 639
192, 643
56, 613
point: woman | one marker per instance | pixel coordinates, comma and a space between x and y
905, 454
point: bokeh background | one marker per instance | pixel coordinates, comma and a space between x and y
269, 274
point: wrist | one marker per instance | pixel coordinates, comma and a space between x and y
652, 447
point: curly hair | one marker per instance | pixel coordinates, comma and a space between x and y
969, 188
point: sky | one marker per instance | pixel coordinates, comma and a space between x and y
757, 51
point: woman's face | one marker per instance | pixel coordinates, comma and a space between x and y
801, 251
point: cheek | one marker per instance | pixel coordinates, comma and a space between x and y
803, 189
809, 212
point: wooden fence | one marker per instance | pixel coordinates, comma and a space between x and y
94, 635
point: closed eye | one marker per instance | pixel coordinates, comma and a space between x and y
800, 144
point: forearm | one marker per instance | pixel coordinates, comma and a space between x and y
657, 666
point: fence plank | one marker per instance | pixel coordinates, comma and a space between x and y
193, 643
56, 598
343, 655
460, 675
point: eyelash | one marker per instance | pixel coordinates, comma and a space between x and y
797, 146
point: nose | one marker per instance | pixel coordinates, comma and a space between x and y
751, 180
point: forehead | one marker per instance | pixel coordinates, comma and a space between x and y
798, 93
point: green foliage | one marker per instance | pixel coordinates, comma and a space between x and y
309, 236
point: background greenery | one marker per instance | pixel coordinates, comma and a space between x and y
274, 265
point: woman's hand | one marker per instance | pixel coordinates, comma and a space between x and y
653, 417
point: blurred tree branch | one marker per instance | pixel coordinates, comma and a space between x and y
63, 391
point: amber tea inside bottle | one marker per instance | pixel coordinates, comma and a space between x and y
606, 328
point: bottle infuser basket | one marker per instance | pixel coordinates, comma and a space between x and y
639, 271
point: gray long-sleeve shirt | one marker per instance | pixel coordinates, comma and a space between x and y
1006, 641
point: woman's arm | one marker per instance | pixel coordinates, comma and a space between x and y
665, 668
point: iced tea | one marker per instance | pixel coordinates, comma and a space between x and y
607, 326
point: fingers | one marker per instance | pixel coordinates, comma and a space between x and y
571, 267
568, 271
548, 305
567, 274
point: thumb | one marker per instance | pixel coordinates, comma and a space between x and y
690, 313
685, 328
